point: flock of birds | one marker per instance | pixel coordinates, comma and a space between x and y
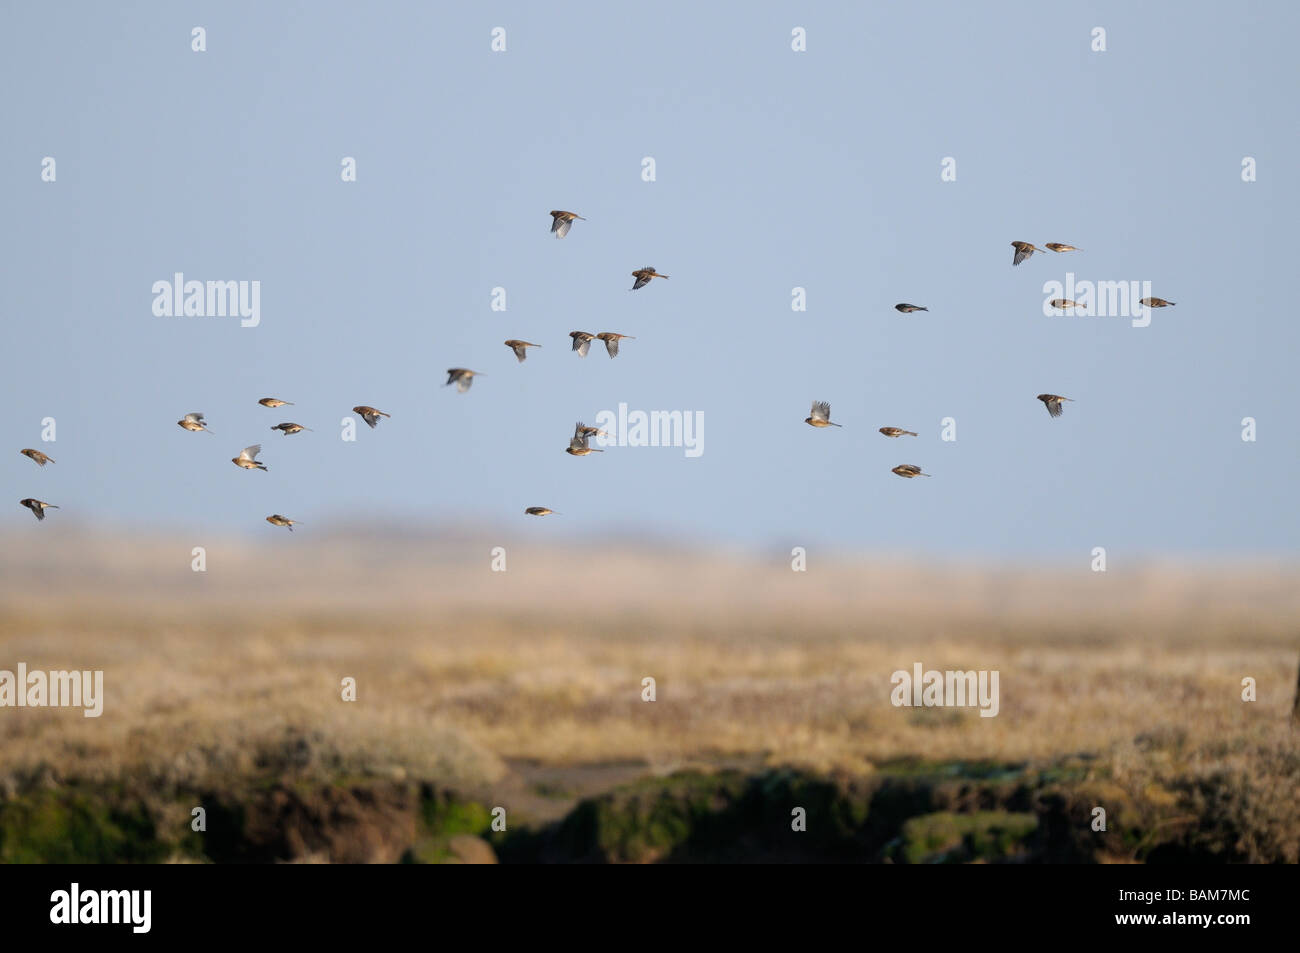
579, 444
821, 410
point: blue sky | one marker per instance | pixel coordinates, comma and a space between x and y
774, 169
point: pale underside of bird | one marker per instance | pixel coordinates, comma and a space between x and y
520, 348
1053, 403
370, 415
821, 415
193, 422
908, 470
1023, 251
561, 222
611, 341
247, 458
1060, 246
581, 342
897, 432
578, 445
908, 308
275, 519
1156, 302
541, 511
40, 458
460, 376
289, 428
1063, 303
274, 402
643, 276
37, 507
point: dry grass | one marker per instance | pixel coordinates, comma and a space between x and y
460, 670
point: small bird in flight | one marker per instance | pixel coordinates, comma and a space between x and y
39, 457
520, 348
1053, 403
1058, 246
909, 308
643, 276
1023, 251
461, 377
1063, 303
289, 428
908, 470
274, 402
611, 341
541, 511
821, 415
247, 458
561, 222
275, 519
581, 342
193, 422
37, 507
578, 445
897, 432
1156, 302
370, 415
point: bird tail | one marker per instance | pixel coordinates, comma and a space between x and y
835, 425
911, 433
261, 466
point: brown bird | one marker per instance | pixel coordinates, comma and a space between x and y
643, 276
908, 470
821, 415
290, 428
274, 402
897, 432
581, 342
37, 507
461, 377
247, 458
1063, 303
578, 445
541, 511
520, 348
193, 422
39, 457
1156, 302
1057, 246
1023, 251
611, 341
370, 415
561, 222
275, 519
1053, 403
909, 308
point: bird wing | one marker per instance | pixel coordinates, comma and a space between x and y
250, 453
561, 226
1021, 255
